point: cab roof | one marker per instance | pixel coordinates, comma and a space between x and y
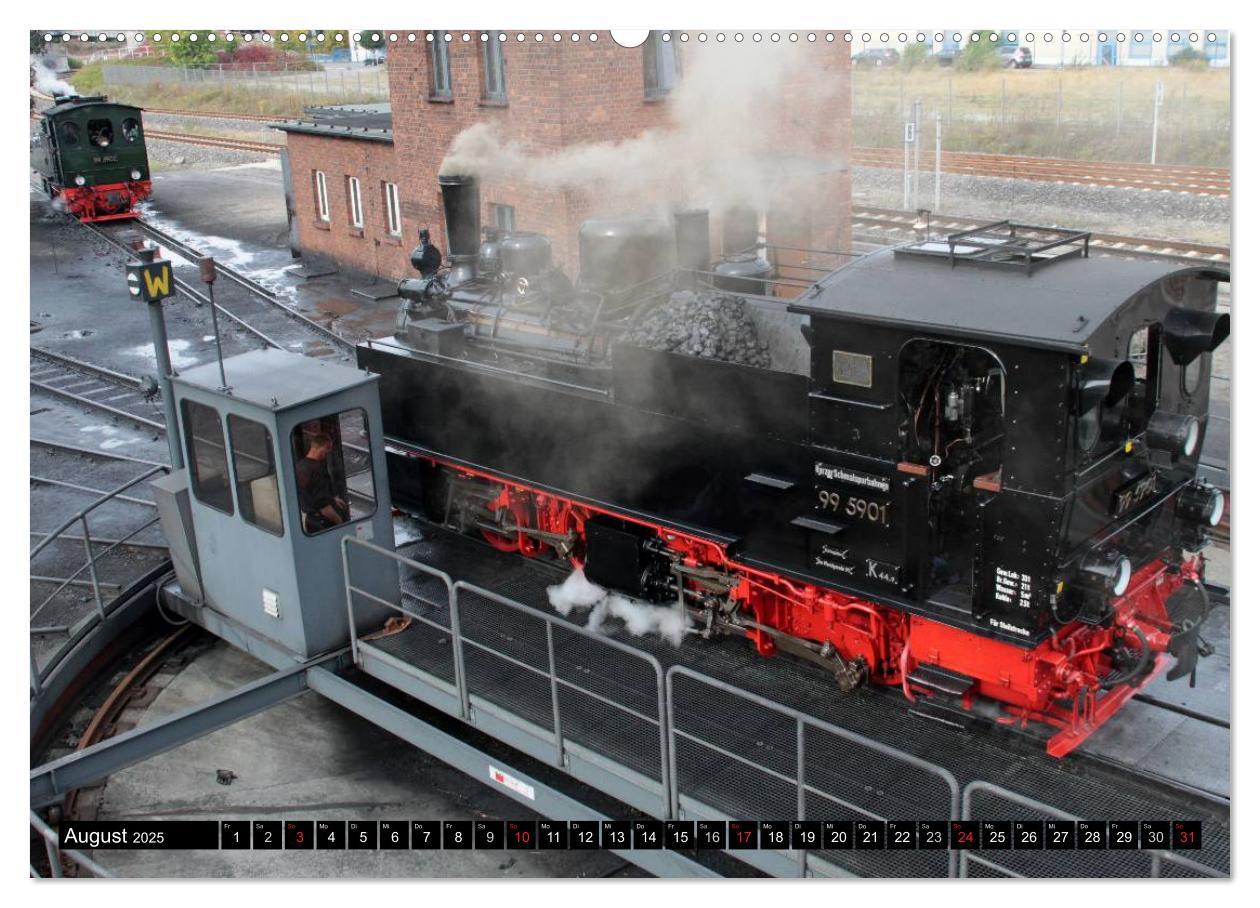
77, 103
1055, 307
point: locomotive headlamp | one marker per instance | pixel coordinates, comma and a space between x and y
1201, 503
1173, 433
1105, 572
80, 180
135, 174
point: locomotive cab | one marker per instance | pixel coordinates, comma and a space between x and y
282, 464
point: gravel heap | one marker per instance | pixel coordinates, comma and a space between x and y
705, 324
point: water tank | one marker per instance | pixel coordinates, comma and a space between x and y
744, 273
525, 254
615, 253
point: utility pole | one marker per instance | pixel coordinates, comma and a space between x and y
905, 166
936, 197
1159, 102
918, 132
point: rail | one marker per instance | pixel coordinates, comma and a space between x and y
52, 846
989, 859
586, 718
93, 559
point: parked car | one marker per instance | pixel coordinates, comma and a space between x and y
1015, 56
876, 56
946, 56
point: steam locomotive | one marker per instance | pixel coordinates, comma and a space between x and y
90, 153
968, 470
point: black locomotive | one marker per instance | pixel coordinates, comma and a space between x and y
965, 466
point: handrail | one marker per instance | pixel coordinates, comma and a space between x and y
1157, 858
53, 846
93, 557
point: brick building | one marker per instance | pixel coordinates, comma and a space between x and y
364, 180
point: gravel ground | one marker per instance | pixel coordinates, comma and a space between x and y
1134, 212
178, 155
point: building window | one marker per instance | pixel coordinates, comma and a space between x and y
321, 194
355, 198
493, 85
440, 67
1140, 50
503, 216
333, 472
207, 456
660, 65
257, 489
393, 210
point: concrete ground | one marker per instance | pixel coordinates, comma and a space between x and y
309, 759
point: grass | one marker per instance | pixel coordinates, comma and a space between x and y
1086, 113
224, 98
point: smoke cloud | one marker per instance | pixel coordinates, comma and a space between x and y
669, 622
46, 80
723, 144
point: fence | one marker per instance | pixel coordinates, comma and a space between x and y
55, 853
1082, 112
353, 82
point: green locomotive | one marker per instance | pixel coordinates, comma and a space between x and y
90, 154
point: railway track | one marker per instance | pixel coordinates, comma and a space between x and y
215, 141
120, 395
1207, 181
242, 300
215, 115
891, 225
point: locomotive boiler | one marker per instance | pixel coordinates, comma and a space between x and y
90, 154
964, 467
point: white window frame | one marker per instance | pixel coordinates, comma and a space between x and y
355, 193
321, 194
393, 210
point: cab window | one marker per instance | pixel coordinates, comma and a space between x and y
69, 133
257, 489
333, 471
101, 133
131, 130
207, 456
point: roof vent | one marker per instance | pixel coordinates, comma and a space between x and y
1003, 244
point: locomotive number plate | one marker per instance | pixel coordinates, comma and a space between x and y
1133, 493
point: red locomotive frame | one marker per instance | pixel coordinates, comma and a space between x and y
111, 202
1058, 683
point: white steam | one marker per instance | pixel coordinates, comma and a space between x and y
46, 80
640, 619
744, 127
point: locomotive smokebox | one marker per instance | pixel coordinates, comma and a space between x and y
461, 203
691, 233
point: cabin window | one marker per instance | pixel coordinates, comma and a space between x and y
101, 133
1144, 354
333, 471
131, 130
253, 460
69, 133
207, 456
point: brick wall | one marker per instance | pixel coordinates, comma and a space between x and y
560, 94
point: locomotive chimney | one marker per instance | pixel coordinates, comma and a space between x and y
461, 203
691, 232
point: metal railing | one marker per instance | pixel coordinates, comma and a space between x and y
989, 859
93, 558
56, 853
557, 743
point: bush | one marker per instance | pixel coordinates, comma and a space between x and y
76, 64
187, 52
981, 54
913, 55
1189, 57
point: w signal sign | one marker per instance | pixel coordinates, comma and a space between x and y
150, 281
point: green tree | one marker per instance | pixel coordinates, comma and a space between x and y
913, 55
189, 52
372, 38
37, 42
980, 54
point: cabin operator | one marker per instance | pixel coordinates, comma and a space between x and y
322, 507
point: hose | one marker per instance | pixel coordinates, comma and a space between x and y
1115, 679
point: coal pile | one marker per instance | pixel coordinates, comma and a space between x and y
705, 324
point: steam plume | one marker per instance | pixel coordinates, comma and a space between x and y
723, 144
640, 619
47, 81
